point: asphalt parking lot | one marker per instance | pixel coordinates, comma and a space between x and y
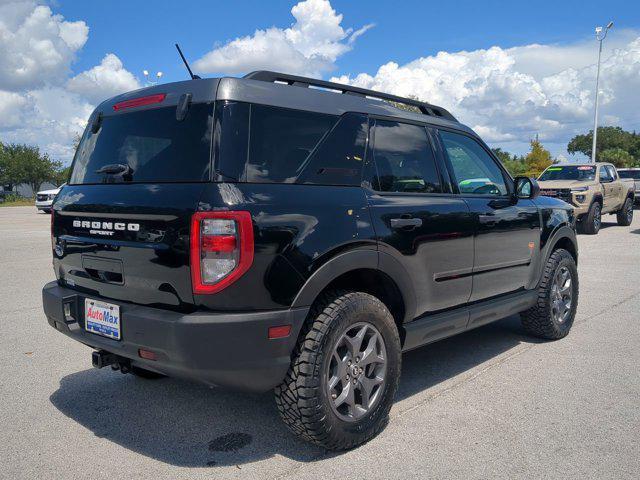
491, 403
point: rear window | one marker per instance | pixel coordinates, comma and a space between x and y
263, 144
147, 146
635, 174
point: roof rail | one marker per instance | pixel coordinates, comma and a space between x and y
295, 80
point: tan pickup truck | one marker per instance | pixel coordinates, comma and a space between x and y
593, 190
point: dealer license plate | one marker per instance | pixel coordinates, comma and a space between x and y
102, 318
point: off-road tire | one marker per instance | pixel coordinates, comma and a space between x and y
538, 320
625, 214
303, 399
592, 221
144, 373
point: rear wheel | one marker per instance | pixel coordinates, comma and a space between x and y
592, 220
552, 316
344, 373
625, 214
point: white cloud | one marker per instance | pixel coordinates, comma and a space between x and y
11, 105
39, 103
309, 47
103, 81
36, 46
510, 95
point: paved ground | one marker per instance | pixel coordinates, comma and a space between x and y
490, 403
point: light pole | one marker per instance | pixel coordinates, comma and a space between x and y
601, 34
148, 80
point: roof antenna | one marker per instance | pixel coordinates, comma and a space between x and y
193, 77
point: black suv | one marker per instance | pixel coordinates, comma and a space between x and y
276, 231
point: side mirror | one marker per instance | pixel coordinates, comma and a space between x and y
526, 187
606, 180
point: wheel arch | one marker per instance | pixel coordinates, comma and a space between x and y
564, 237
370, 271
597, 198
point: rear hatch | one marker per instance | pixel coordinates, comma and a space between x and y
121, 226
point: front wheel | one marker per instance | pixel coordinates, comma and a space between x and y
625, 214
591, 222
552, 316
344, 372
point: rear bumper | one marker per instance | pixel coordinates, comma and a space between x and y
221, 349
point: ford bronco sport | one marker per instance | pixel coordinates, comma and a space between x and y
279, 232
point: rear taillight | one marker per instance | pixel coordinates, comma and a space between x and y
221, 249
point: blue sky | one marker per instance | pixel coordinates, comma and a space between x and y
510, 70
142, 34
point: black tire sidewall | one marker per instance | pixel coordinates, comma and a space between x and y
590, 227
375, 313
564, 327
623, 219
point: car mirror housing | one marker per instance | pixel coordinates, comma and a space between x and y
526, 187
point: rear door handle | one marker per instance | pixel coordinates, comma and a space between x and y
406, 222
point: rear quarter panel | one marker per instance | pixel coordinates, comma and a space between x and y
297, 228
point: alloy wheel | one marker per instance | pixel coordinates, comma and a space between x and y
356, 371
561, 295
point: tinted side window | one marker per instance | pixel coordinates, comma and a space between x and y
338, 159
474, 170
612, 172
604, 174
404, 159
281, 140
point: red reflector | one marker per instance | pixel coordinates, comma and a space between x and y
279, 331
147, 354
219, 243
139, 102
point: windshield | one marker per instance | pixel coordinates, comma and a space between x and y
571, 172
635, 174
148, 146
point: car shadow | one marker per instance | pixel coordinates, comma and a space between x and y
187, 424
604, 225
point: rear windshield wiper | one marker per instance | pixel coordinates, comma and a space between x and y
116, 169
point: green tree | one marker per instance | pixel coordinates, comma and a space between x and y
608, 138
618, 156
514, 164
9, 175
62, 175
27, 165
537, 159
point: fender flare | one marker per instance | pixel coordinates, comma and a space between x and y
564, 231
355, 260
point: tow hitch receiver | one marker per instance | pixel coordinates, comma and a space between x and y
102, 358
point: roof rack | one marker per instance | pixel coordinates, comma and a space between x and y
295, 80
